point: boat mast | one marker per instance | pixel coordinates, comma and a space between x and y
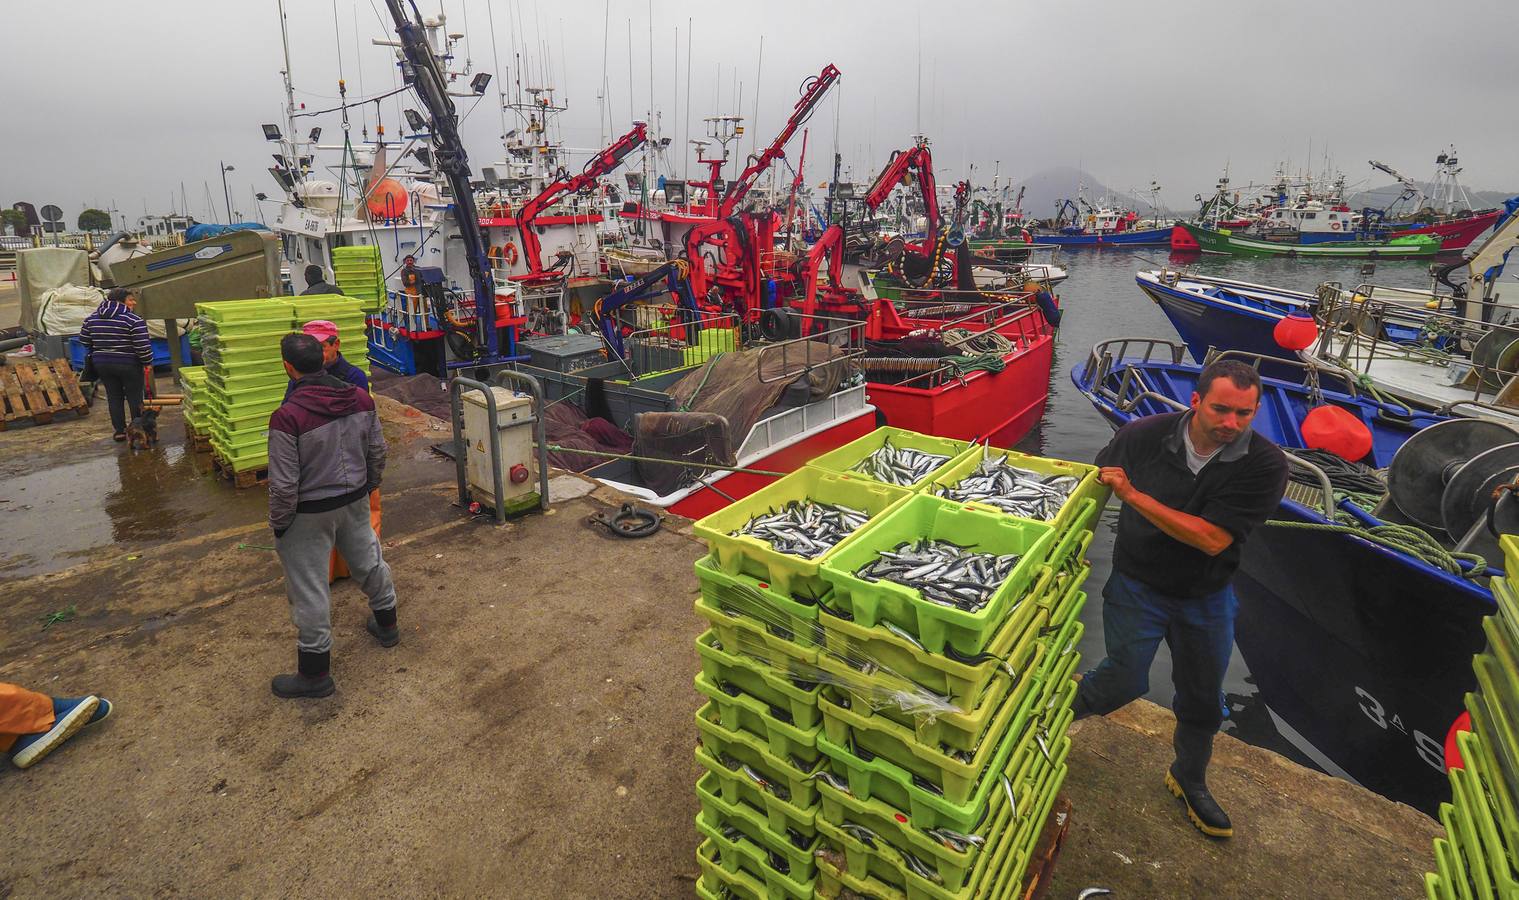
295, 152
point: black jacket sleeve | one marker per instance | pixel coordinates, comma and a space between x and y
1249, 498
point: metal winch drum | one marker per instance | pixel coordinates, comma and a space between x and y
1447, 477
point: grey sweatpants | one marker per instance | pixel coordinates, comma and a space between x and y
305, 551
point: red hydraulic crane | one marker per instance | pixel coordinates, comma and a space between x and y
899, 170
744, 240
599, 165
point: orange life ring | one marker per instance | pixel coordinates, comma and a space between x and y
509, 253
1334, 226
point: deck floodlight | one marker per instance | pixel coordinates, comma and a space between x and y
271, 132
316, 134
478, 83
414, 120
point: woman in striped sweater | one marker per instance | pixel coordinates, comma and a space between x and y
117, 340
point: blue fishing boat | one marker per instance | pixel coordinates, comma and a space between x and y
1361, 650
1223, 313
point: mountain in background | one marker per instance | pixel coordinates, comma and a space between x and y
1380, 197
1047, 187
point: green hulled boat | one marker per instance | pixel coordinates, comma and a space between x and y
1225, 241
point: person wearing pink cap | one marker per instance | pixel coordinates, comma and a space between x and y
333, 363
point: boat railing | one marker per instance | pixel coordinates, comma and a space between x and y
676, 342
801, 355
1016, 316
1106, 354
1353, 336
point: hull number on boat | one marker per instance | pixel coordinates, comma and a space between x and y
1429, 749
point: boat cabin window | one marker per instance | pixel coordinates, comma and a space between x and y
1311, 215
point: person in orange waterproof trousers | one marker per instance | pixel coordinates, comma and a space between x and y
32, 725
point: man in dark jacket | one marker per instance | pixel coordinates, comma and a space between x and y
1193, 486
326, 454
317, 283
117, 341
326, 334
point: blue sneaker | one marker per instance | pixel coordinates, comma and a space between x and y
69, 715
102, 712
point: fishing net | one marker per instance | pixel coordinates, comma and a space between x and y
719, 403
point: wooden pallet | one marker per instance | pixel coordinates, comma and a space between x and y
245, 479
1041, 865
37, 390
199, 443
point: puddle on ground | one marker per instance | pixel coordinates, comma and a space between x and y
58, 515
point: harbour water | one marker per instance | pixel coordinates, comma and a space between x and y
1102, 302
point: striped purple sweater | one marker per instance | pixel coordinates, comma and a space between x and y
115, 334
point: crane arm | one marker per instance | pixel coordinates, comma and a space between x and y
1485, 266
898, 168
812, 93
1401, 178
431, 87
599, 165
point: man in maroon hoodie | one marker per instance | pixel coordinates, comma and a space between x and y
326, 453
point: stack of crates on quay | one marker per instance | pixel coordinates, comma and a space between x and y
360, 274
192, 387
1479, 855
859, 736
245, 376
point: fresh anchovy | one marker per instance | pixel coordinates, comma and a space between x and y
806, 529
943, 572
901, 466
904, 635
1043, 747
832, 781
996, 482
1011, 799
921, 869
860, 833
956, 841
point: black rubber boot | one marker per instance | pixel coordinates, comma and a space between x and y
1187, 781
382, 624
311, 678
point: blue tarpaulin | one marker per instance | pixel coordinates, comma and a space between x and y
202, 230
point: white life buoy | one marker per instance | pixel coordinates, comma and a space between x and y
1335, 226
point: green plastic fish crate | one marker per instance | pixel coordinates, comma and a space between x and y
224, 382
794, 851
960, 680
754, 639
738, 711
1071, 545
757, 599
1087, 485
935, 626
881, 862
953, 866
1449, 871
241, 443
710, 342
876, 777
790, 781
717, 883
1456, 838
745, 858
870, 695
786, 573
232, 311
1064, 606
1470, 798
843, 459
1503, 803
228, 361
735, 786
791, 691
957, 779
268, 341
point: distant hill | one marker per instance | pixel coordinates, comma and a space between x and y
1380, 197
1049, 186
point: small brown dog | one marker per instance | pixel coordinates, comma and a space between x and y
142, 431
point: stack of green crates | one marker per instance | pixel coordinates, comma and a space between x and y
360, 273
1479, 855
192, 385
860, 738
245, 378
347, 313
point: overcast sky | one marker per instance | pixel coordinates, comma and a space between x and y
123, 102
